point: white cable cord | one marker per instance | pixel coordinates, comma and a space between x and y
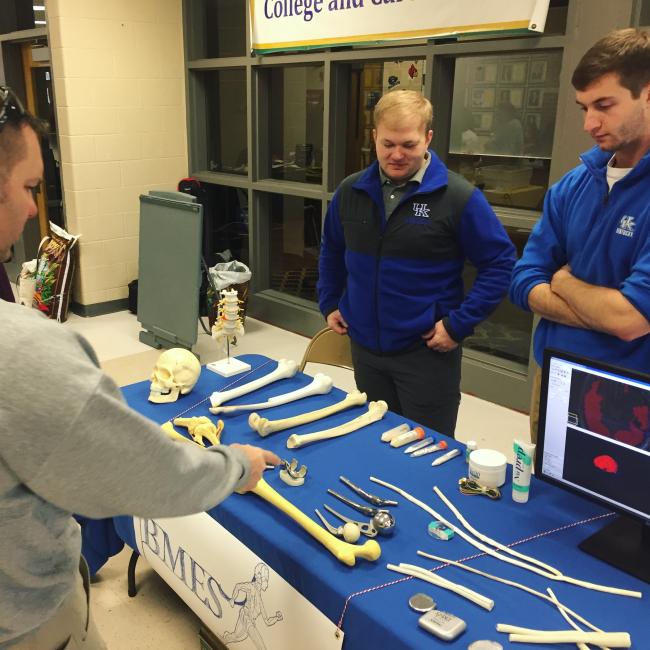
427, 576
551, 575
511, 583
570, 621
499, 556
526, 635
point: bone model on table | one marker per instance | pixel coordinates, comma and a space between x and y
227, 326
202, 427
286, 368
176, 372
264, 427
375, 412
320, 385
343, 551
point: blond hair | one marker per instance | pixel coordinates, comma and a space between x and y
398, 106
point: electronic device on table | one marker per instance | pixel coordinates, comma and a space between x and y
594, 440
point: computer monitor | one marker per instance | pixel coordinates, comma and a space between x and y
594, 440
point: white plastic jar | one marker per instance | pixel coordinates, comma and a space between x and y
488, 467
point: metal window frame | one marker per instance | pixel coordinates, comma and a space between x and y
488, 377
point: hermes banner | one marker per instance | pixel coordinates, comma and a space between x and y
281, 25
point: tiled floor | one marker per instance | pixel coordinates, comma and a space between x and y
156, 617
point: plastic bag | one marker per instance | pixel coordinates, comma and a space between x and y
54, 271
27, 283
226, 275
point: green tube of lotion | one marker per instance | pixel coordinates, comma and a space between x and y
521, 470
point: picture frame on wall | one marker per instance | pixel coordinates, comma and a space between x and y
513, 72
482, 97
534, 98
482, 121
513, 96
483, 73
538, 69
533, 120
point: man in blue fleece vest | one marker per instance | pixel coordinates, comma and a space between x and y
586, 267
394, 246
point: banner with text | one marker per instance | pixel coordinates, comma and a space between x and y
281, 25
237, 596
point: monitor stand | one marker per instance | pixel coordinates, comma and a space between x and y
625, 544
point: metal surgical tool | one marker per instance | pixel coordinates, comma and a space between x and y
365, 527
382, 520
370, 498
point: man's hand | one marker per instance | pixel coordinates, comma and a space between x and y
559, 277
336, 323
437, 339
258, 458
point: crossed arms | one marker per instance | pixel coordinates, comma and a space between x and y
570, 301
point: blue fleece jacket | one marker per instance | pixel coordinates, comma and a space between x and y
394, 279
603, 236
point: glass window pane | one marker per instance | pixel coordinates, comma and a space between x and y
295, 227
225, 223
295, 123
507, 332
502, 123
217, 28
225, 92
368, 82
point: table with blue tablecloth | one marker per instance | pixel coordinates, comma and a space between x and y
368, 601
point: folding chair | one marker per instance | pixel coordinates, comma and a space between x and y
329, 348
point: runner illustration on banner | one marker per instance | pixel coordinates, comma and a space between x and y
248, 596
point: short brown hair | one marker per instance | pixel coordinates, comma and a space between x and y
624, 52
12, 144
398, 105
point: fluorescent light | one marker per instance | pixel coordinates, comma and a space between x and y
38, 7
40, 22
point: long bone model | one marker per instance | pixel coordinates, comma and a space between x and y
320, 385
264, 427
528, 562
286, 368
342, 551
375, 412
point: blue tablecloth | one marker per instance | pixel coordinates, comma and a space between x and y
380, 616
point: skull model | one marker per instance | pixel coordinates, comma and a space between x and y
176, 372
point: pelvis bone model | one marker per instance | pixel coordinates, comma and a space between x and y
375, 412
175, 373
200, 428
264, 427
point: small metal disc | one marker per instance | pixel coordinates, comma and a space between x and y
485, 645
421, 603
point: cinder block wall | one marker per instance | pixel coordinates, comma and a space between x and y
119, 86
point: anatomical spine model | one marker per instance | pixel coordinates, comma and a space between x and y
226, 328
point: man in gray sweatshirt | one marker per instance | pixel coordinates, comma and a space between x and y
69, 443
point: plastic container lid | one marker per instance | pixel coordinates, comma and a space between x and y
488, 459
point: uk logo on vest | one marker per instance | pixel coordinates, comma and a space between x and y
421, 210
626, 226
